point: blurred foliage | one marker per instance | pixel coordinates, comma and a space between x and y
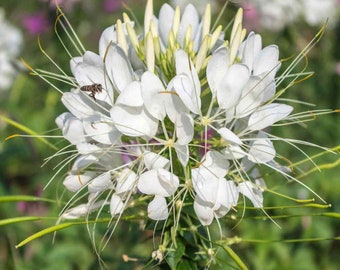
34, 103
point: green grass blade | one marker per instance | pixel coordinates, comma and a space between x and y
235, 258
26, 130
46, 231
23, 198
9, 221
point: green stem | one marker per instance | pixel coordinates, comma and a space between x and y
235, 257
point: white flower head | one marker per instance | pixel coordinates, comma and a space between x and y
176, 116
274, 15
10, 45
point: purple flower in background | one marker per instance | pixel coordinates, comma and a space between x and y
337, 68
251, 17
112, 5
66, 5
36, 23
33, 208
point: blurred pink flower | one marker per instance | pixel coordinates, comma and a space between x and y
337, 68
33, 208
36, 23
251, 17
66, 5
112, 5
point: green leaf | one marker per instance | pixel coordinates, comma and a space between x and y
23, 198
26, 130
235, 257
46, 231
8, 221
185, 265
330, 214
175, 256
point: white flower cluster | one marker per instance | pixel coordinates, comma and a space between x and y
177, 115
276, 14
10, 44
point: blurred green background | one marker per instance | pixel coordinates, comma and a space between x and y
35, 104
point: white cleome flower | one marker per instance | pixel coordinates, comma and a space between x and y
175, 108
274, 15
10, 45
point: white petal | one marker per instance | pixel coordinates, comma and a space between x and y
131, 95
118, 67
227, 194
75, 212
86, 70
198, 37
221, 211
261, 150
174, 106
73, 130
185, 66
229, 136
214, 166
86, 74
188, 93
74, 62
83, 162
267, 115
186, 83
166, 15
61, 119
79, 104
234, 152
91, 70
252, 97
182, 152
189, 18
270, 88
116, 205
277, 166
108, 36
218, 194
230, 88
217, 69
88, 148
92, 59
81, 210
153, 95
155, 161
76, 182
267, 61
134, 121
206, 189
229, 115
158, 182
252, 192
100, 183
226, 197
168, 180
252, 47
126, 181
203, 211
158, 209
101, 130
184, 128
109, 160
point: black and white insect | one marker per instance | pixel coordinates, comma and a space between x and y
93, 88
